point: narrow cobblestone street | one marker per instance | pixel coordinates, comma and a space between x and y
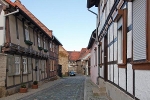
71, 88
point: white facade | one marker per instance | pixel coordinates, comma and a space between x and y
123, 38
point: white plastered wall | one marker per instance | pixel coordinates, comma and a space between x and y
116, 74
142, 84
122, 78
2, 25
129, 79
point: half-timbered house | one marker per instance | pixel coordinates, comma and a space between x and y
120, 48
28, 49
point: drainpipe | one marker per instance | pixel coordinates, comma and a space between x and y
96, 39
4, 18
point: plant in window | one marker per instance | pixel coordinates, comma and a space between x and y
40, 48
45, 50
28, 42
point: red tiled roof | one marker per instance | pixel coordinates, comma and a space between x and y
74, 55
82, 52
18, 4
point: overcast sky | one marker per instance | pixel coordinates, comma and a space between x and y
70, 20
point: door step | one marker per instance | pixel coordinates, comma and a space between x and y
99, 92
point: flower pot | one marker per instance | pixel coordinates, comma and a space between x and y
23, 90
34, 86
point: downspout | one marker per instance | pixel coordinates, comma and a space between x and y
96, 39
4, 18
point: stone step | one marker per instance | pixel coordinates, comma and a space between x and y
103, 89
97, 92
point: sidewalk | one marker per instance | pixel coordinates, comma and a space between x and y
31, 91
88, 92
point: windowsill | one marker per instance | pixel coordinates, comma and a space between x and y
25, 73
17, 74
141, 65
122, 65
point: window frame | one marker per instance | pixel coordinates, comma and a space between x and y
17, 63
26, 29
122, 13
25, 69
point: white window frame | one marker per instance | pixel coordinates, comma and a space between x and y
39, 43
50, 46
24, 65
17, 64
44, 44
27, 32
120, 46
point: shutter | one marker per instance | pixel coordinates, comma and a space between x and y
29, 65
10, 65
139, 29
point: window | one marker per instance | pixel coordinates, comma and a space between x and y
17, 27
17, 65
26, 32
50, 46
43, 66
29, 65
120, 42
24, 65
44, 44
53, 47
95, 56
39, 44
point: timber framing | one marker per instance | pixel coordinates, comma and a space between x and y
14, 48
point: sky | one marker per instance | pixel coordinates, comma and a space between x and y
71, 22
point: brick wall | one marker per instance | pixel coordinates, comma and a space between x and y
3, 61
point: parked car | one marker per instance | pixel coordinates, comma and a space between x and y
72, 73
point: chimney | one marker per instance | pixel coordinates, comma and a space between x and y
18, 1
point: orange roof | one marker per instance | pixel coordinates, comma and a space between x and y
74, 55
18, 4
84, 52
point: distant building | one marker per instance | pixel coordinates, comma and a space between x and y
73, 57
82, 61
63, 60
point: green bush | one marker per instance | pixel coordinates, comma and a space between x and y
23, 86
35, 83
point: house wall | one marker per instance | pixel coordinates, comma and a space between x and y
3, 69
124, 82
1, 25
63, 60
94, 67
10, 81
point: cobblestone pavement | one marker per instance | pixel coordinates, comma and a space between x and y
71, 88
68, 88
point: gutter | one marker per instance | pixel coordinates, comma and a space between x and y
96, 39
4, 18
